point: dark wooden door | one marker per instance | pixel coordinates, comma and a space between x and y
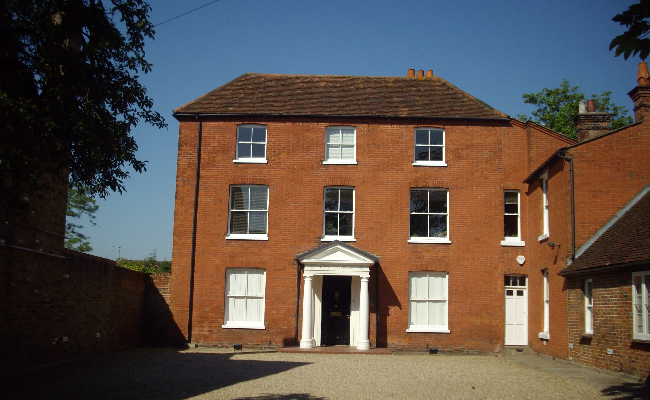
335, 325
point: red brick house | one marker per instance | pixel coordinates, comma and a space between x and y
590, 269
361, 211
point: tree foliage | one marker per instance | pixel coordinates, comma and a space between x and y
69, 94
78, 205
147, 266
634, 40
557, 107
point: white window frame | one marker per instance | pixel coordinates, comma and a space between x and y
418, 239
589, 306
641, 305
247, 236
342, 238
428, 163
251, 159
514, 241
544, 185
328, 145
444, 299
545, 334
246, 324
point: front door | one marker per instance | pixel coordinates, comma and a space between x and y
516, 311
335, 328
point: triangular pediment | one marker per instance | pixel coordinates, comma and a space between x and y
337, 253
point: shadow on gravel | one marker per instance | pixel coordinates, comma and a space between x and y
626, 391
291, 396
144, 373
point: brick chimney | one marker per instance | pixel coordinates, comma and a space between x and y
641, 94
590, 123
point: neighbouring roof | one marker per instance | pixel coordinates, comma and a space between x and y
265, 94
626, 242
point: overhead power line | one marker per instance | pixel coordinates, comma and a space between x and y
191, 11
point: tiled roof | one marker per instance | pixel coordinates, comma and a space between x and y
263, 94
626, 241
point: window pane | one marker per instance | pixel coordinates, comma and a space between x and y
258, 150
511, 209
509, 292
254, 310
419, 290
259, 135
510, 226
255, 285
421, 153
239, 199
245, 134
243, 150
419, 225
437, 201
236, 309
347, 200
258, 198
522, 281
419, 201
436, 287
347, 152
236, 284
348, 136
333, 152
345, 224
437, 226
257, 224
506, 280
422, 137
333, 136
437, 137
331, 224
238, 222
511, 197
437, 313
436, 153
331, 199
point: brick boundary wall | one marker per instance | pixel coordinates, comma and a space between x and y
55, 308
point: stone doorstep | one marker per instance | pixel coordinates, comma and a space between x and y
516, 350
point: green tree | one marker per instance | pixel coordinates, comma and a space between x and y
557, 107
69, 95
78, 205
634, 40
147, 266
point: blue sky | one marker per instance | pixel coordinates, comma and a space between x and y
494, 50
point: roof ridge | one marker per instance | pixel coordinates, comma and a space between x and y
225, 85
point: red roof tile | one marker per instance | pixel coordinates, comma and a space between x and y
626, 241
263, 94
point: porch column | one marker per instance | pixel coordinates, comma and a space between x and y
364, 315
307, 341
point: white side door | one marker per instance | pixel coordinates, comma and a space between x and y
516, 315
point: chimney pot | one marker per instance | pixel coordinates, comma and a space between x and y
591, 106
411, 73
420, 73
430, 73
643, 77
582, 108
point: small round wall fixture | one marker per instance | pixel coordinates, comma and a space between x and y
521, 260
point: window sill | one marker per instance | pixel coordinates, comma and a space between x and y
429, 240
544, 335
247, 237
429, 164
416, 329
587, 335
240, 325
647, 341
543, 237
251, 161
340, 162
513, 243
339, 238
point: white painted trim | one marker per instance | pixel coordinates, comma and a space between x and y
242, 325
340, 162
339, 238
240, 236
611, 222
336, 270
543, 237
544, 335
429, 164
513, 243
429, 240
251, 161
415, 329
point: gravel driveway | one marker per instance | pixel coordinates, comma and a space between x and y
208, 373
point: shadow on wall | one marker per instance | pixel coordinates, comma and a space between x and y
162, 373
387, 299
159, 327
